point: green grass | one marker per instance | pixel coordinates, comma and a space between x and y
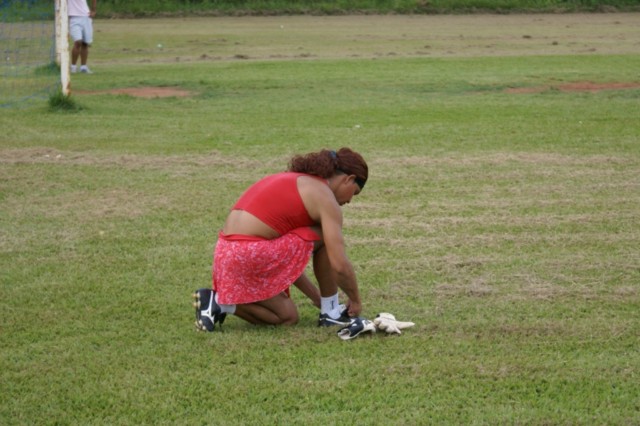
60, 102
504, 225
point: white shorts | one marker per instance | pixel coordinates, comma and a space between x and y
81, 29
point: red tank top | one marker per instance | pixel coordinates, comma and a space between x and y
275, 200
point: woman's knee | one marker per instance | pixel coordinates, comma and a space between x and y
283, 310
290, 317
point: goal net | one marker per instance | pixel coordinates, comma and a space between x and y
28, 68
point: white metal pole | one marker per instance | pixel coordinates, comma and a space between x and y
62, 44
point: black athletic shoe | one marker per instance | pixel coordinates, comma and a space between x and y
208, 313
326, 321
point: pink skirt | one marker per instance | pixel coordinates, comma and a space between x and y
250, 269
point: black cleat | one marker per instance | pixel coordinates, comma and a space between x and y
208, 313
326, 321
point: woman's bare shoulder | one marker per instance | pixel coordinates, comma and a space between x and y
316, 196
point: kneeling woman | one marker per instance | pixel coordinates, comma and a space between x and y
272, 231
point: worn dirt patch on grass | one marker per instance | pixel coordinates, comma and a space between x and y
44, 155
580, 86
143, 92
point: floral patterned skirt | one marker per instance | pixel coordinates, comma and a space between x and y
250, 269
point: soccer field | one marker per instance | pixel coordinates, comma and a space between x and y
501, 216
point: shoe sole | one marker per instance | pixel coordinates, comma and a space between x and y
203, 323
328, 322
206, 322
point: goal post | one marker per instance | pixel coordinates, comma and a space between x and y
62, 45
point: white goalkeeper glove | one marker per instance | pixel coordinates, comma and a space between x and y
387, 322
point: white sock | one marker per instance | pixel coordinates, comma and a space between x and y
226, 309
73, 68
337, 311
329, 304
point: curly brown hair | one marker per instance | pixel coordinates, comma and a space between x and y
326, 163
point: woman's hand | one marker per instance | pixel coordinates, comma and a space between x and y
354, 308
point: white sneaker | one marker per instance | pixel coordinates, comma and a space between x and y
85, 69
74, 69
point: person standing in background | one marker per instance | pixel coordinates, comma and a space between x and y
81, 31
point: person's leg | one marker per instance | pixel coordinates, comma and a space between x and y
304, 284
76, 35
323, 272
84, 53
87, 39
279, 310
75, 51
331, 312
